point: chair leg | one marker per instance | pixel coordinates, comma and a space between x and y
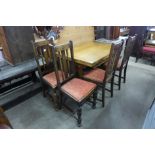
34, 77
151, 60
44, 91
55, 100
60, 100
94, 99
119, 79
79, 113
112, 86
103, 95
43, 88
125, 69
137, 57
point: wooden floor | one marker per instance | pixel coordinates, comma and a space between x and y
150, 117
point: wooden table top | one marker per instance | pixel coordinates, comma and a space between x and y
91, 54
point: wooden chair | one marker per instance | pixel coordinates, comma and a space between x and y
123, 62
147, 49
43, 57
69, 86
101, 76
149, 53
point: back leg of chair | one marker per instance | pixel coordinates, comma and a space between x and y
151, 59
125, 69
112, 85
119, 79
94, 99
103, 94
60, 100
55, 99
44, 90
79, 113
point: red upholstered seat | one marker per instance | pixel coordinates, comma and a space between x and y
96, 74
78, 89
51, 78
149, 49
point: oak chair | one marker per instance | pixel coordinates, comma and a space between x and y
148, 50
43, 57
69, 86
101, 76
123, 62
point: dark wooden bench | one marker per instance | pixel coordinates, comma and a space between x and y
16, 78
10, 73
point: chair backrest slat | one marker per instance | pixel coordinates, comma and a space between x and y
67, 62
43, 56
113, 59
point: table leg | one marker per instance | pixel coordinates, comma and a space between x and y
79, 69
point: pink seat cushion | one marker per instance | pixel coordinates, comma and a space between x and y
51, 78
149, 50
78, 89
96, 74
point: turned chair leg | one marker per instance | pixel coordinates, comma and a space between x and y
60, 100
112, 86
119, 79
137, 57
44, 91
125, 69
94, 99
56, 101
79, 113
43, 88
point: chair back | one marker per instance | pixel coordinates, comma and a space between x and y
43, 57
113, 59
63, 58
128, 49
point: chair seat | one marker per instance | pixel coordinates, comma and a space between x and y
78, 89
149, 50
51, 78
96, 75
